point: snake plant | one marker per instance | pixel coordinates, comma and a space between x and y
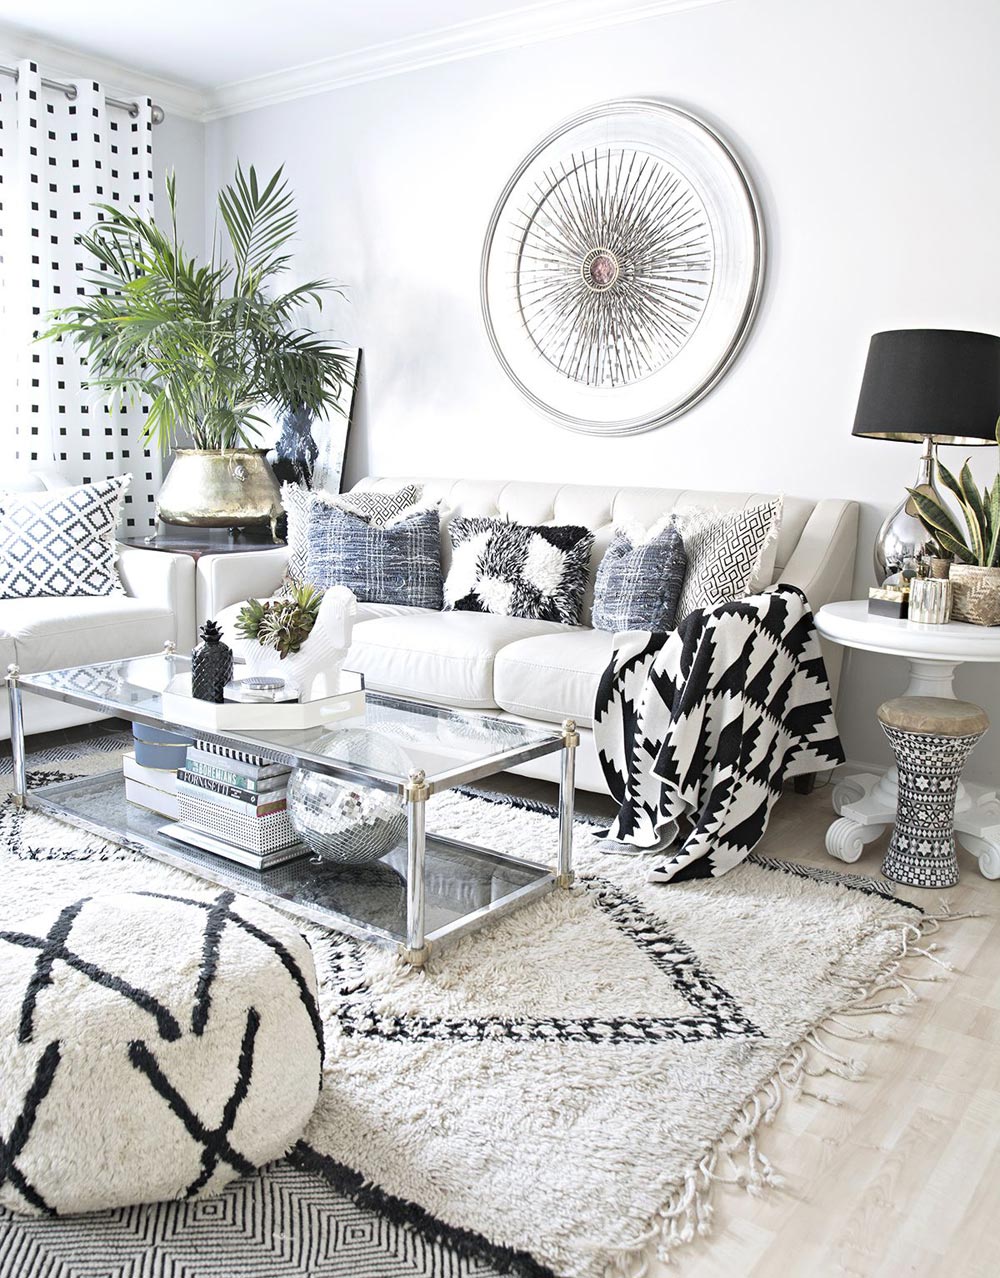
979, 544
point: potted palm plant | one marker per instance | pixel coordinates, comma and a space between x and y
975, 574
210, 346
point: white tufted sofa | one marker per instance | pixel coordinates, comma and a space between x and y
534, 670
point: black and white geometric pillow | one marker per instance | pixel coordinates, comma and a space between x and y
518, 570
374, 507
377, 507
61, 542
729, 553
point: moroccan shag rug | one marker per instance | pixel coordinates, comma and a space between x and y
556, 1095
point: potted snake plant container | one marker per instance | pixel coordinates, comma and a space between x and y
975, 573
209, 346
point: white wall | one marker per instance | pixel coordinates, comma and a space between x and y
179, 145
869, 127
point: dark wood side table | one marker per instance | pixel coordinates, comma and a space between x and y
205, 541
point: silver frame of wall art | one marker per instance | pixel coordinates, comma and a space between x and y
667, 130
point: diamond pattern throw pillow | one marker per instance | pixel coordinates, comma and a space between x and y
640, 579
518, 570
61, 542
726, 551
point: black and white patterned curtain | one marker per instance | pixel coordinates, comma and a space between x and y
58, 159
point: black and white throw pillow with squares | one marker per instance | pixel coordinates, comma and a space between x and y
61, 542
518, 570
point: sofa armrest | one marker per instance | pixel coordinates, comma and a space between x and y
227, 579
822, 563
165, 579
822, 566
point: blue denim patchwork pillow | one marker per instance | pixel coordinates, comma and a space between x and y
399, 563
639, 582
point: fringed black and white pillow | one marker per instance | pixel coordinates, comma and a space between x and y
61, 542
519, 570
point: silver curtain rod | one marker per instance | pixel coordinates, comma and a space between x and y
132, 108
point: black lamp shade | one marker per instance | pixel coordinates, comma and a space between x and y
938, 382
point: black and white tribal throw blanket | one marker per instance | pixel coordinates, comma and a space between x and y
696, 730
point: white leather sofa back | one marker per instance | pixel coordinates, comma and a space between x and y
816, 544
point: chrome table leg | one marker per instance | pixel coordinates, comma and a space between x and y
567, 795
416, 950
16, 737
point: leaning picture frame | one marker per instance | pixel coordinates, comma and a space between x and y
311, 452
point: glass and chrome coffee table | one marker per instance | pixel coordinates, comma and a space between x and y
425, 892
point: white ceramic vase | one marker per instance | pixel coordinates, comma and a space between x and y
315, 668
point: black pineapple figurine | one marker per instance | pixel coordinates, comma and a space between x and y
211, 665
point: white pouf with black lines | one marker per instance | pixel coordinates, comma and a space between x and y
153, 1045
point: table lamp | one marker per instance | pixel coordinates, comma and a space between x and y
931, 386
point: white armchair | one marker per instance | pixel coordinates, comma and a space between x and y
49, 633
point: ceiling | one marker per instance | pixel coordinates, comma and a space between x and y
207, 45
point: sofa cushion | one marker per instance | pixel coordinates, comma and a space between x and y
446, 658
553, 677
730, 553
48, 634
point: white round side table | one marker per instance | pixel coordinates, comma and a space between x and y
866, 804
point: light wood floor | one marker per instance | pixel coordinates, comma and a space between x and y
904, 1179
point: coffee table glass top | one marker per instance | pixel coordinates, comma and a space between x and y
447, 745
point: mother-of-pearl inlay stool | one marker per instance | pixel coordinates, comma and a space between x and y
866, 803
931, 738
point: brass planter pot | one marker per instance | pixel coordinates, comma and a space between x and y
976, 596
220, 488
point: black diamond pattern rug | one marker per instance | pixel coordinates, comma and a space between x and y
284, 1222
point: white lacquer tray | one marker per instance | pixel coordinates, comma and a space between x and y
179, 706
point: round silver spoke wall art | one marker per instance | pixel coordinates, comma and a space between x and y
622, 267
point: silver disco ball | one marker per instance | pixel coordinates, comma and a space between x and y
346, 821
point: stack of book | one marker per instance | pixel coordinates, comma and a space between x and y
233, 803
152, 788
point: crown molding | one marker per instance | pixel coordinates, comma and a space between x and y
58, 62
530, 25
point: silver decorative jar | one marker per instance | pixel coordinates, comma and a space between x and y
220, 488
930, 600
343, 821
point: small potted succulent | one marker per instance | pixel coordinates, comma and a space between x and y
303, 637
975, 572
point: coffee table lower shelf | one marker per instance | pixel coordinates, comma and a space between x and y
466, 887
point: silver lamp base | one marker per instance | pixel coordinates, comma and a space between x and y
902, 536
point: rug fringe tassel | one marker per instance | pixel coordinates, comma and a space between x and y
737, 1158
